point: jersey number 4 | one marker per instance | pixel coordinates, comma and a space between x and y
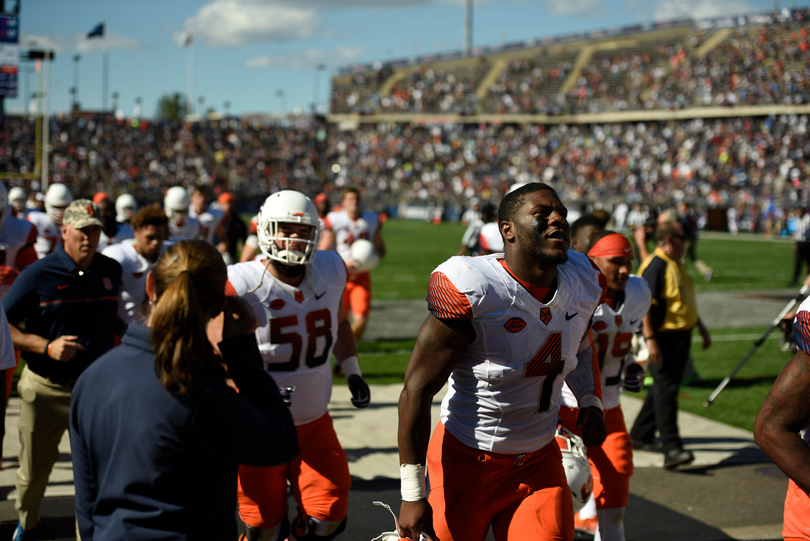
547, 363
319, 323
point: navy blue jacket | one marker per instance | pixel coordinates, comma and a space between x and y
55, 298
149, 464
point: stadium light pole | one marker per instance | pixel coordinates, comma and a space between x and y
137, 111
75, 92
316, 91
468, 29
227, 107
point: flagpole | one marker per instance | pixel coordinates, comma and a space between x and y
190, 98
106, 66
45, 113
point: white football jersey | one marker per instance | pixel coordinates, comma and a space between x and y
17, 234
613, 332
347, 230
124, 232
189, 231
208, 222
490, 239
49, 235
505, 391
134, 268
297, 327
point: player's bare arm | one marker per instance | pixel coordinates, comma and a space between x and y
62, 349
439, 346
786, 410
583, 381
648, 333
346, 354
379, 243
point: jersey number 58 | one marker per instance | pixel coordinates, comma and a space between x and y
319, 323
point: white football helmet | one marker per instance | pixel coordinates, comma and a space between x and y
125, 208
577, 467
394, 536
176, 205
17, 198
290, 207
57, 200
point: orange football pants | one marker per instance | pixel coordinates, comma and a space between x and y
612, 462
357, 297
797, 514
524, 497
319, 476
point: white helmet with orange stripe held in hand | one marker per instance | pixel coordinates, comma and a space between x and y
394, 536
577, 467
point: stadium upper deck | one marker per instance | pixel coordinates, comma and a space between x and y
679, 69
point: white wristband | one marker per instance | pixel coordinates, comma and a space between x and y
351, 366
413, 482
591, 400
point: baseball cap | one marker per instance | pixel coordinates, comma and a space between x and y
225, 197
321, 197
81, 213
100, 196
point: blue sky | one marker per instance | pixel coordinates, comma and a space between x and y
246, 51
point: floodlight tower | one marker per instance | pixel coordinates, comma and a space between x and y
468, 29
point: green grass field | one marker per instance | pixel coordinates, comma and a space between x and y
740, 263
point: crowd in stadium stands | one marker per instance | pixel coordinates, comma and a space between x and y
360, 93
753, 65
758, 166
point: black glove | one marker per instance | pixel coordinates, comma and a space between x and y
286, 395
633, 377
361, 394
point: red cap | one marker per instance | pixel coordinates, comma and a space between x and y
225, 197
321, 197
100, 196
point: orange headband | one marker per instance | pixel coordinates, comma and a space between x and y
611, 246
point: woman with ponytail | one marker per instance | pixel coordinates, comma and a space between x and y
157, 430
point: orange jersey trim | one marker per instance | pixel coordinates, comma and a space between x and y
445, 301
539, 293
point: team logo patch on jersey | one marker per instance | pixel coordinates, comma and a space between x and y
545, 315
599, 326
107, 284
299, 297
514, 325
278, 304
619, 321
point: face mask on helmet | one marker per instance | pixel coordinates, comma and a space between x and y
576, 465
56, 201
288, 207
16, 196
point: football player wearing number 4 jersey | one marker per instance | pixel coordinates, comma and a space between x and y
614, 323
297, 294
507, 329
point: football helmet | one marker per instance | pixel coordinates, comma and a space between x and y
576, 465
57, 200
394, 536
289, 207
176, 205
125, 207
17, 198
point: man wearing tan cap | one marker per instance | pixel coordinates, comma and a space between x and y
69, 302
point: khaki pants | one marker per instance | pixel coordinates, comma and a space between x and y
44, 416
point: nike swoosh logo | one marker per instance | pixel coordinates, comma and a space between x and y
63, 286
570, 317
633, 321
319, 296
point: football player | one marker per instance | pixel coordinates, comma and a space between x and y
297, 293
614, 324
176, 206
125, 208
49, 223
507, 330
781, 429
112, 232
137, 258
209, 218
342, 228
17, 198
